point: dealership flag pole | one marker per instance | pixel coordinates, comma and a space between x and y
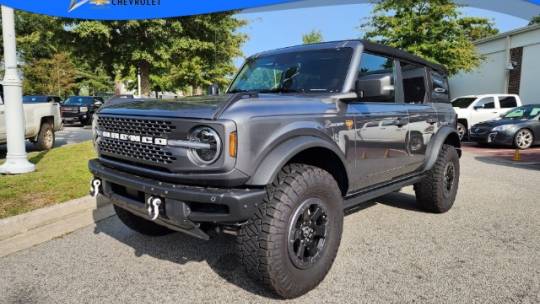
16, 159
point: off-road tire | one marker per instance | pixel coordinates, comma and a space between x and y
264, 240
432, 192
139, 224
46, 137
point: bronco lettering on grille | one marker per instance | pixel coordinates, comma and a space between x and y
135, 138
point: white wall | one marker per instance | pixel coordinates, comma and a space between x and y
529, 90
489, 78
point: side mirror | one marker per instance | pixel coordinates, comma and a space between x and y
477, 107
439, 90
98, 104
375, 86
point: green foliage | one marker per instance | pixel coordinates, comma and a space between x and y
315, 36
432, 29
478, 28
54, 76
170, 53
535, 20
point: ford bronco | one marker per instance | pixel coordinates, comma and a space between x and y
302, 134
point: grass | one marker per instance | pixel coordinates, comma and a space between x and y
61, 175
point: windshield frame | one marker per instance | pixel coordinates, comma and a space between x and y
66, 102
345, 72
527, 109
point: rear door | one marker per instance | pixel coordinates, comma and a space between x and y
506, 103
423, 120
380, 123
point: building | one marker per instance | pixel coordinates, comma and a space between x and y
511, 65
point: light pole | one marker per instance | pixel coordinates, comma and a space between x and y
16, 158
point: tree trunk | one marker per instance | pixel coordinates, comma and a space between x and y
117, 87
144, 68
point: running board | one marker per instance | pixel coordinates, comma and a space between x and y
366, 195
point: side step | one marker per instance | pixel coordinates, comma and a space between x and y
366, 195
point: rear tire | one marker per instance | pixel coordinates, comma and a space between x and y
437, 191
292, 240
524, 139
139, 224
46, 137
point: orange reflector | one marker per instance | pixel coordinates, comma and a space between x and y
233, 144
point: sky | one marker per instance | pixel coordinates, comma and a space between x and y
274, 29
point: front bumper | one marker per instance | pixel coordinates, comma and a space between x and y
185, 207
495, 138
74, 117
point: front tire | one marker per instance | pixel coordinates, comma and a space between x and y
139, 224
292, 240
46, 137
437, 191
524, 139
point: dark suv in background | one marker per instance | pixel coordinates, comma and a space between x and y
302, 134
80, 109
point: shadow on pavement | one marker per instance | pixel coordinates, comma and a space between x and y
400, 200
507, 163
219, 253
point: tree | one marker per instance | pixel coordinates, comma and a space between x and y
535, 20
478, 28
432, 29
314, 36
55, 76
169, 53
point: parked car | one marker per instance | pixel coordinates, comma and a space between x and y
42, 120
478, 108
266, 161
519, 127
41, 99
80, 109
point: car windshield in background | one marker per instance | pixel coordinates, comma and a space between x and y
79, 101
34, 99
464, 102
525, 112
320, 71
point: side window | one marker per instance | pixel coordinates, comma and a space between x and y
414, 82
508, 102
486, 103
375, 80
440, 88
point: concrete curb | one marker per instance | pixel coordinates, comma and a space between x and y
36, 227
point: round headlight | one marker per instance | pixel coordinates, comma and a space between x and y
205, 156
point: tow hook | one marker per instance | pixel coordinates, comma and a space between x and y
152, 206
95, 185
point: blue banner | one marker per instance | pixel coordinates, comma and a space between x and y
147, 9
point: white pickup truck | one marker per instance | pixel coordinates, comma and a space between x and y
42, 120
474, 109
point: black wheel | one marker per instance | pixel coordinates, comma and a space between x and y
524, 139
461, 130
46, 137
139, 224
293, 238
437, 191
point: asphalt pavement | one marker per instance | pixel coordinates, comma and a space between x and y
485, 250
68, 135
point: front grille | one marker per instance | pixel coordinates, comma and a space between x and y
70, 109
143, 127
138, 151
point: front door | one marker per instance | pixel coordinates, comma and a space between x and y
483, 110
381, 124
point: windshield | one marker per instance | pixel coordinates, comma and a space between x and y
463, 102
34, 99
79, 100
525, 112
306, 71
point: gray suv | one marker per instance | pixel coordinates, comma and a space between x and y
303, 134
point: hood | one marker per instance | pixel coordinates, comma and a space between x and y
202, 107
500, 122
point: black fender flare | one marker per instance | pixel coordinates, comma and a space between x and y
274, 161
436, 143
